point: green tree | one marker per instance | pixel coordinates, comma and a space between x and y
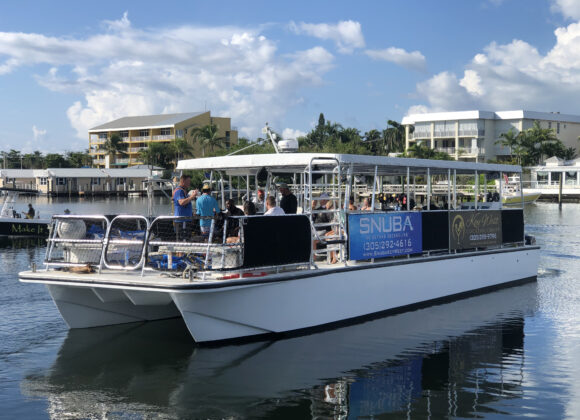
421, 151
55, 160
208, 138
157, 154
114, 146
79, 159
182, 149
512, 140
394, 137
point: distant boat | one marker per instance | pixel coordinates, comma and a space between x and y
511, 193
516, 199
13, 224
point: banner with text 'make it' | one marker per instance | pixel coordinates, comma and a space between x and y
378, 235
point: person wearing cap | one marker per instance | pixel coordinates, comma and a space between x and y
206, 206
288, 203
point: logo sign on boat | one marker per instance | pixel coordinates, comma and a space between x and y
473, 229
378, 235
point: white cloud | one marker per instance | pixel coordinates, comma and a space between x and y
568, 8
124, 71
347, 34
410, 60
291, 133
38, 134
513, 76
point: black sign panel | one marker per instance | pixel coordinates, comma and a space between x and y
474, 229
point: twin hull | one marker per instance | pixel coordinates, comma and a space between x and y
302, 299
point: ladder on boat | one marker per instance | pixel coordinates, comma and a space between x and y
324, 176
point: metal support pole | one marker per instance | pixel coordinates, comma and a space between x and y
448, 189
428, 189
476, 189
500, 190
408, 188
374, 189
455, 189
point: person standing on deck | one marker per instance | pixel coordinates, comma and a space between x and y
206, 206
288, 203
182, 206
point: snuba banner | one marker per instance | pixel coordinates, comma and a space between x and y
384, 235
473, 229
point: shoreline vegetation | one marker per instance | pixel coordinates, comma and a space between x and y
528, 147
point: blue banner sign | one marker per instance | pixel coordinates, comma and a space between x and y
378, 235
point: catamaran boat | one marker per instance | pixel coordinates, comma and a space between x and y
14, 223
256, 275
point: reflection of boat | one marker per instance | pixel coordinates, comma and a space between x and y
370, 369
13, 224
272, 278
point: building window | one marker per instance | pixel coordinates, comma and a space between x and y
143, 133
102, 136
43, 181
123, 134
95, 181
549, 125
558, 128
60, 181
179, 134
121, 181
165, 131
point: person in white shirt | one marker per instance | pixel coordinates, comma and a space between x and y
271, 208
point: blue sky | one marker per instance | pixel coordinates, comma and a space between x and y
67, 66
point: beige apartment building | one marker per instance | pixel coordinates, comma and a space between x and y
472, 135
140, 131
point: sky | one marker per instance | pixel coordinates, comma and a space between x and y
68, 66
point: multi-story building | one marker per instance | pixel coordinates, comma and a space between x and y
139, 132
472, 135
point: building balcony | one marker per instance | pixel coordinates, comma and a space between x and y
463, 151
164, 137
136, 149
141, 138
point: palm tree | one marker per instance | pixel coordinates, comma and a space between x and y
513, 141
372, 140
207, 136
114, 145
182, 149
394, 137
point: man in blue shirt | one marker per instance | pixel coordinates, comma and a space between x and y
206, 206
182, 206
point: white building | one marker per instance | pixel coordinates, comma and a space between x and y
55, 181
472, 135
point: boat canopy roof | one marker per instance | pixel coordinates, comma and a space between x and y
297, 162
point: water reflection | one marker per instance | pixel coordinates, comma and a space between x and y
455, 359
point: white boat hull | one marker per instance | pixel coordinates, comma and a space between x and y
224, 310
85, 307
529, 198
312, 301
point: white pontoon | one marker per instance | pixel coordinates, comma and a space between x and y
259, 275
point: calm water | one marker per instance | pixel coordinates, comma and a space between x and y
510, 353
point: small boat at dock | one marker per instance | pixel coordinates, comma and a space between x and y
14, 223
